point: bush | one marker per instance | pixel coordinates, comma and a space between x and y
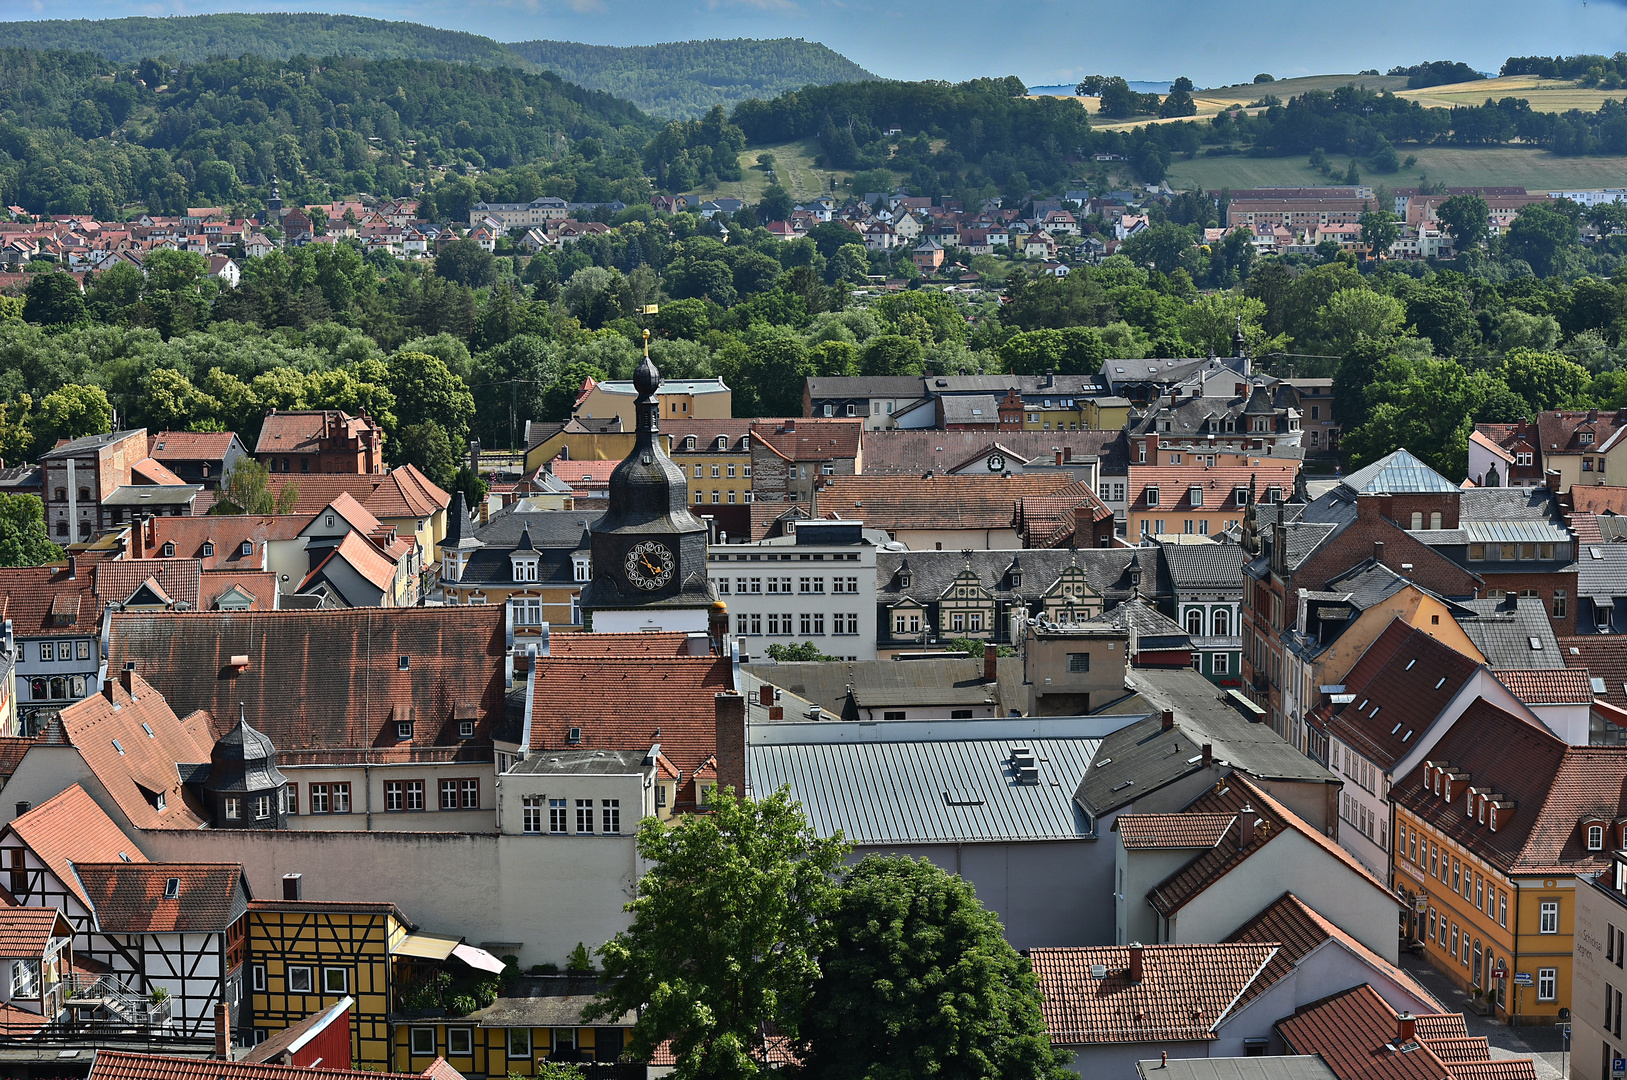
580, 960
462, 1005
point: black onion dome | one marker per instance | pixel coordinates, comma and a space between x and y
244, 760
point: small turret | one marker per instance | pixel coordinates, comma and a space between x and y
244, 789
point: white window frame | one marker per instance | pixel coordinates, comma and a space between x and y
460, 1042
1548, 917
1547, 984
298, 973
416, 1047
328, 980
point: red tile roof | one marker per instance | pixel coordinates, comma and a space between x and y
1406, 677
132, 744
189, 445
1602, 656
155, 472
113, 1065
12, 749
620, 703
401, 493
355, 514
1184, 992
302, 432
69, 827
629, 644
26, 931
1272, 820
119, 579
18, 1023
1172, 830
33, 597
1442, 1026
1219, 482
934, 502
1299, 929
133, 898
1547, 686
811, 440
260, 584
1598, 499
327, 685
1552, 787
363, 557
226, 531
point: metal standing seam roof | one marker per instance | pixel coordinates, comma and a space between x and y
1514, 532
939, 792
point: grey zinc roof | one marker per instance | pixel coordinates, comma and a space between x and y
930, 792
1295, 1067
970, 409
1601, 570
1107, 570
1209, 569
1395, 473
855, 386
1518, 531
1506, 504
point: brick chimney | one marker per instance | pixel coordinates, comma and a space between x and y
1208, 754
293, 887
127, 678
138, 536
1406, 1028
223, 1031
1136, 968
1550, 479
765, 695
731, 742
1167, 720
1245, 826
991, 655
1378, 551
1059, 457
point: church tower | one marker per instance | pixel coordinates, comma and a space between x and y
649, 550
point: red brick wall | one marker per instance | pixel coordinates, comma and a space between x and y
1545, 586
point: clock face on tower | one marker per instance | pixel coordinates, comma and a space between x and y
649, 564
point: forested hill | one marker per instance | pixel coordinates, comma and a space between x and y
194, 38
685, 78
679, 79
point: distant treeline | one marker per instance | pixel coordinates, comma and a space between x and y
1589, 70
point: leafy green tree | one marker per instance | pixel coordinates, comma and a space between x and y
1179, 100
1466, 217
1352, 314
973, 647
834, 358
892, 354
1379, 230
426, 446
1443, 312
465, 262
425, 389
919, 980
73, 412
798, 652
1545, 380
775, 205
1543, 237
1163, 247
728, 925
16, 431
246, 489
849, 263
1428, 406
472, 486
53, 299
23, 539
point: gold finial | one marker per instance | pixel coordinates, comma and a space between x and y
646, 341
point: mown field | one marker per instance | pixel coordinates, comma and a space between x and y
1536, 170
794, 167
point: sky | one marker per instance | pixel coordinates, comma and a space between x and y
1040, 41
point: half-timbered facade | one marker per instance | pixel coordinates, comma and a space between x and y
305, 956
36, 958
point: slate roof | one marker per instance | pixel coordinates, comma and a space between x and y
88, 443
1395, 473
935, 502
1602, 656
326, 685
1299, 928
130, 898
1151, 628
1507, 504
1213, 571
27, 931
133, 743
1401, 684
852, 689
67, 828
929, 792
1141, 758
970, 409
1184, 993
554, 533
1552, 786
1601, 571
867, 386
1272, 820
1502, 630
1106, 570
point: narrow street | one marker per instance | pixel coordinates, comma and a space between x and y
1544, 1043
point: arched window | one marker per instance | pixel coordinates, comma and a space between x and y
38, 690
1222, 622
84, 494
1194, 622
1595, 837
61, 494
1479, 968
1434, 519
1417, 519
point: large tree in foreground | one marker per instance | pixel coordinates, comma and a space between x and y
919, 980
23, 539
727, 928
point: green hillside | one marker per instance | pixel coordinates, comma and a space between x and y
679, 79
194, 38
685, 78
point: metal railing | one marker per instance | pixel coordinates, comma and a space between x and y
123, 1006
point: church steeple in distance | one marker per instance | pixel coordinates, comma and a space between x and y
649, 549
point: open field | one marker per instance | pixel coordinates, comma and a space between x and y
1545, 95
793, 163
1535, 170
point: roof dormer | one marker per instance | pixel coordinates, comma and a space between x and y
1592, 832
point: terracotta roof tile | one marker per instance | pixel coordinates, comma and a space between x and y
1598, 498
12, 749
1184, 992
156, 472
1299, 929
69, 827
1401, 684
363, 557
26, 931
1174, 483
28, 596
112, 1065
811, 440
1355, 1033
1442, 1026
1461, 1048
328, 685
1172, 830
401, 493
226, 531
1552, 787
1547, 686
359, 518
132, 744
261, 585
301, 432
189, 445
1500, 1069
935, 502
1603, 657
629, 644
119, 579
136, 898
19, 1023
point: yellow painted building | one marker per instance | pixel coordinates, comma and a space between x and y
680, 399
537, 1019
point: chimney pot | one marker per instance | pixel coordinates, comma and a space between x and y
990, 663
1245, 826
293, 887
127, 680
1136, 951
1406, 1027
1167, 720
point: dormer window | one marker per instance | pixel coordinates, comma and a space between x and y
247, 548
723, 440
525, 569
1195, 493
208, 550
169, 549
689, 442
581, 567
1240, 495
1595, 837
1016, 577
1152, 496
1586, 438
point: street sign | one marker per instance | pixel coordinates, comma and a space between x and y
1522, 978
1420, 903
1499, 972
1618, 1066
